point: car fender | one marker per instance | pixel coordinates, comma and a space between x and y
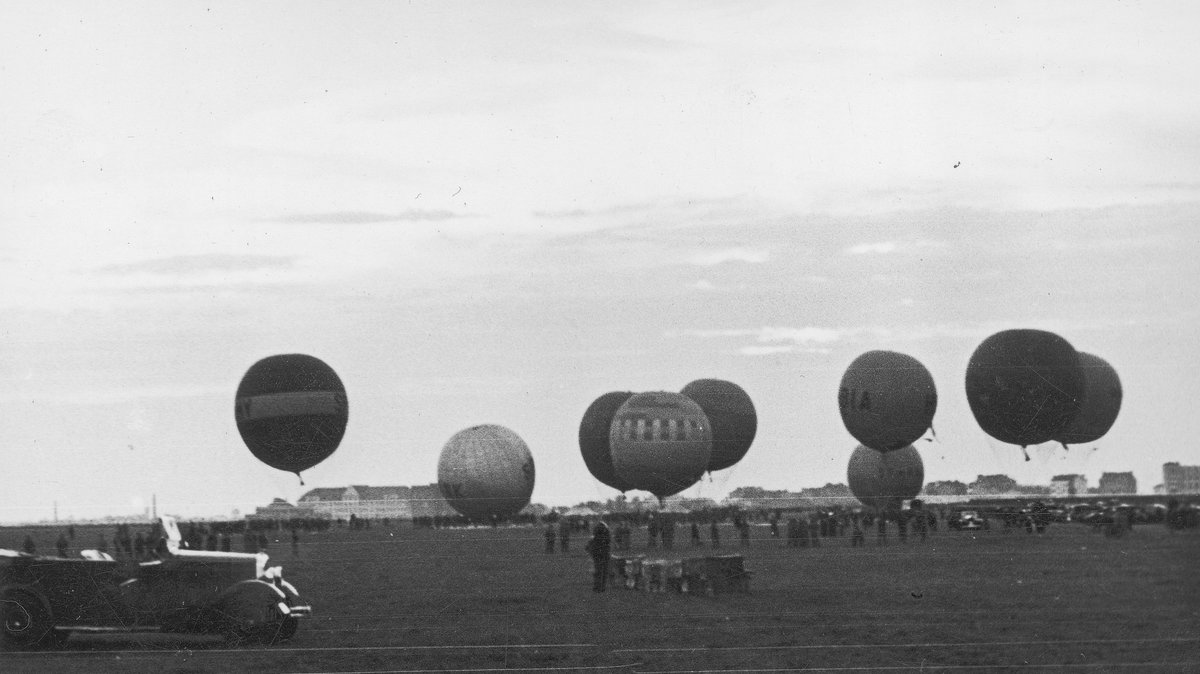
255, 589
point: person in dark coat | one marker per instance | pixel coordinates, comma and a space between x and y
856, 531
62, 545
29, 546
599, 547
564, 536
550, 537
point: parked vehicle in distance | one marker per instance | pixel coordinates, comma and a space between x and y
965, 520
43, 599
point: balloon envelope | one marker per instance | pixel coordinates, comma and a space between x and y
883, 479
887, 400
291, 411
486, 471
661, 442
1024, 386
1101, 402
731, 414
594, 437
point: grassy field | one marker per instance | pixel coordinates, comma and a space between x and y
404, 599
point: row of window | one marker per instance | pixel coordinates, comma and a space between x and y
662, 430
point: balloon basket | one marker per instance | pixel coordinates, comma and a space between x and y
706, 576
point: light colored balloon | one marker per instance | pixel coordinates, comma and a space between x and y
887, 399
883, 479
661, 442
486, 471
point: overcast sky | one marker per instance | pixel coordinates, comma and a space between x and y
496, 212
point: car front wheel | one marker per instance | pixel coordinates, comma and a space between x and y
26, 619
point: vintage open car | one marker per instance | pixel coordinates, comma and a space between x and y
44, 599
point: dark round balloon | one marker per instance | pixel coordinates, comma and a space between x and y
291, 411
884, 479
1101, 402
731, 414
1024, 386
594, 437
887, 400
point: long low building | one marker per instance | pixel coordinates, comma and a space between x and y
403, 503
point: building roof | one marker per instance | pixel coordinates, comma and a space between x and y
324, 494
380, 493
365, 493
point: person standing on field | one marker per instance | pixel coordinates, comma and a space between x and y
564, 536
599, 547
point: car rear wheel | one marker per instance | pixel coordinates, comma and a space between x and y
251, 615
279, 631
26, 619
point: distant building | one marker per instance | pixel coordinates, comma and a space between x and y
1033, 490
280, 509
829, 491
689, 504
946, 488
427, 501
1118, 483
1179, 479
990, 485
773, 500
1072, 484
377, 502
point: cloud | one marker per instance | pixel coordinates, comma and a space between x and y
807, 335
772, 340
872, 248
703, 285
198, 264
365, 217
888, 247
715, 257
766, 350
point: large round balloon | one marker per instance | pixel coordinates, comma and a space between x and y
1101, 402
486, 471
731, 413
594, 441
291, 411
887, 400
661, 443
884, 479
1024, 386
